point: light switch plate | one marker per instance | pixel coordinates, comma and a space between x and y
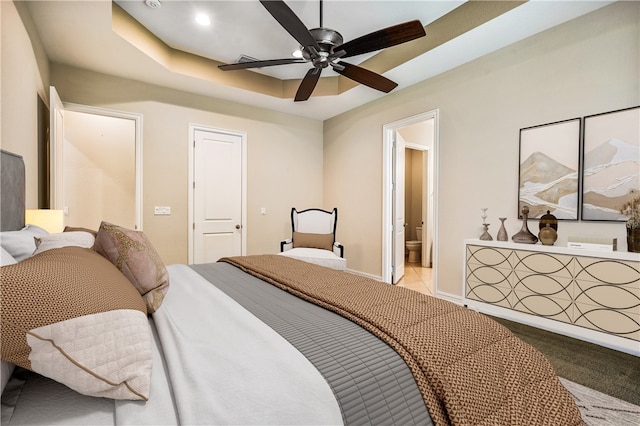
162, 210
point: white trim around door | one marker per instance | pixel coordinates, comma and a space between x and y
389, 131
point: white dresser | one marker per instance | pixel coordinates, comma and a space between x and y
593, 296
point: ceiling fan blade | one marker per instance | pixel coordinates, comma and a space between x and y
260, 64
308, 84
364, 76
382, 39
290, 22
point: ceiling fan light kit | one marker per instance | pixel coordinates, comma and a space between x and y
324, 47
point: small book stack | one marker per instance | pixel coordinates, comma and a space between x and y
593, 243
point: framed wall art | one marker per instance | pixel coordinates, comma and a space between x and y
549, 169
611, 163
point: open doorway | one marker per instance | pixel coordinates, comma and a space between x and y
418, 133
99, 169
96, 164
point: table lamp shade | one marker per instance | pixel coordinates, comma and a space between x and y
50, 220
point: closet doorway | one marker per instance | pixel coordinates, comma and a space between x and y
418, 133
96, 166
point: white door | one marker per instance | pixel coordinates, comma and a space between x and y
56, 144
217, 195
398, 208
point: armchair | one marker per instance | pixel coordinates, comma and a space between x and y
313, 238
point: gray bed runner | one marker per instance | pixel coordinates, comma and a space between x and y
371, 382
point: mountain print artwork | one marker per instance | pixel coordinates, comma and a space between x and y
611, 166
548, 185
549, 172
611, 172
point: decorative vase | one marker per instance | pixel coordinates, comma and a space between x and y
548, 219
633, 239
525, 236
484, 214
548, 235
502, 232
485, 235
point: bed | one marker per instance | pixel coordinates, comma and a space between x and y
261, 339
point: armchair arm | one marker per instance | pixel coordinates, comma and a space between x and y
286, 244
338, 249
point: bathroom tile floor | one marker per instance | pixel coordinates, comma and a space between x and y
416, 278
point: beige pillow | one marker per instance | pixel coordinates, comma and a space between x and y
79, 228
132, 253
70, 315
321, 241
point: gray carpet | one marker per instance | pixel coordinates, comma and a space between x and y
608, 371
604, 383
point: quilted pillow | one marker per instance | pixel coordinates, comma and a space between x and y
321, 241
132, 253
70, 315
65, 239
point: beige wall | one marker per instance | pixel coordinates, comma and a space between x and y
284, 151
586, 66
24, 76
284, 155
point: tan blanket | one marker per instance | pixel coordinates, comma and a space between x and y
470, 369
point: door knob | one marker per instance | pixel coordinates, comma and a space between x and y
237, 226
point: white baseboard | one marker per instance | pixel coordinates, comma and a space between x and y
364, 274
454, 298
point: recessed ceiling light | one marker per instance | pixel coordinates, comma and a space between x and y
203, 19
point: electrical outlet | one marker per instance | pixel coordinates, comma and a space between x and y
162, 210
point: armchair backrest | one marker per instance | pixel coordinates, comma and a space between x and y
314, 221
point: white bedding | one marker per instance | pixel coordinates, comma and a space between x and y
228, 367
218, 364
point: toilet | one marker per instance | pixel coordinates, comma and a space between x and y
415, 247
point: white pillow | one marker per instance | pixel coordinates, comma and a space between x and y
6, 258
64, 239
20, 244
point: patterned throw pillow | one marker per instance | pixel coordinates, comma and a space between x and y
132, 253
70, 315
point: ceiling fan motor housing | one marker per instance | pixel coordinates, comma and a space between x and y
327, 39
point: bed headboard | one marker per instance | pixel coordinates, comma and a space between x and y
12, 191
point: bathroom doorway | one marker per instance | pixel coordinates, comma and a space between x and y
415, 204
410, 146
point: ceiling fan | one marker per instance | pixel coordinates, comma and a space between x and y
324, 47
